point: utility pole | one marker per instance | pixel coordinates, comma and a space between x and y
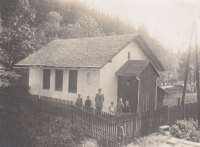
197, 73
186, 69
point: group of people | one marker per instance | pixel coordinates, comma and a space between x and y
120, 108
99, 99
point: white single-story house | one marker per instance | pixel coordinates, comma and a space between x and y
123, 66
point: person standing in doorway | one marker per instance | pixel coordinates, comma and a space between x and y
99, 99
79, 101
120, 106
126, 108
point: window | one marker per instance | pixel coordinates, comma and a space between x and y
73, 74
59, 80
129, 55
46, 78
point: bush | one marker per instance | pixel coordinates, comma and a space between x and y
184, 129
22, 127
106, 143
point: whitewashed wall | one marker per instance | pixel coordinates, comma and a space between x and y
36, 82
108, 79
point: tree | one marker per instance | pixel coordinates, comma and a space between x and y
72, 10
85, 27
191, 70
169, 59
48, 30
16, 38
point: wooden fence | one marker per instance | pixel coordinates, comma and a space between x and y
103, 125
142, 124
100, 125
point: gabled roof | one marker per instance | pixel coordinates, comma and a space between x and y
84, 52
149, 53
134, 68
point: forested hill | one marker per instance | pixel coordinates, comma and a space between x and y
31, 24
72, 10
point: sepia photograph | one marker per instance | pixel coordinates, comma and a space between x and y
99, 73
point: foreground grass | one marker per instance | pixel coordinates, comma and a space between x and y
152, 140
23, 127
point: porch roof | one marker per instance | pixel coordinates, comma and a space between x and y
134, 68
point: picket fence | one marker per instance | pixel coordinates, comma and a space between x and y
118, 130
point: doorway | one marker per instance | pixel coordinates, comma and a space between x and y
128, 91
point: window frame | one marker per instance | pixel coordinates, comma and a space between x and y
49, 86
56, 80
70, 80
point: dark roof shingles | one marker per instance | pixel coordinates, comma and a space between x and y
133, 67
81, 52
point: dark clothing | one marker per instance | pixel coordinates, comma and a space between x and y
126, 109
99, 108
99, 99
79, 102
88, 103
119, 108
98, 111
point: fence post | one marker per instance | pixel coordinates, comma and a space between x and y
120, 136
72, 115
168, 114
179, 101
39, 101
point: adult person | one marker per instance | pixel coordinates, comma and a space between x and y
99, 99
79, 101
112, 108
88, 103
120, 106
126, 108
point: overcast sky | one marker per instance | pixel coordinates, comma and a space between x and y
170, 21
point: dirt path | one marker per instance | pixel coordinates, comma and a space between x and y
89, 142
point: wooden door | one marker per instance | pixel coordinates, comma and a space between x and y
128, 91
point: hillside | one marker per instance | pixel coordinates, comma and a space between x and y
71, 10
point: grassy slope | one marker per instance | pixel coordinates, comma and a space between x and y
22, 127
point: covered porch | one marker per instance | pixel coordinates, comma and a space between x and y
137, 85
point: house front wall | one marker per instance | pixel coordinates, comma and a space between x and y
108, 79
83, 87
104, 78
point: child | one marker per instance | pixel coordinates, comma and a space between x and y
126, 108
112, 108
88, 102
79, 101
120, 106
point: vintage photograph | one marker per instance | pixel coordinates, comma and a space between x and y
99, 73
